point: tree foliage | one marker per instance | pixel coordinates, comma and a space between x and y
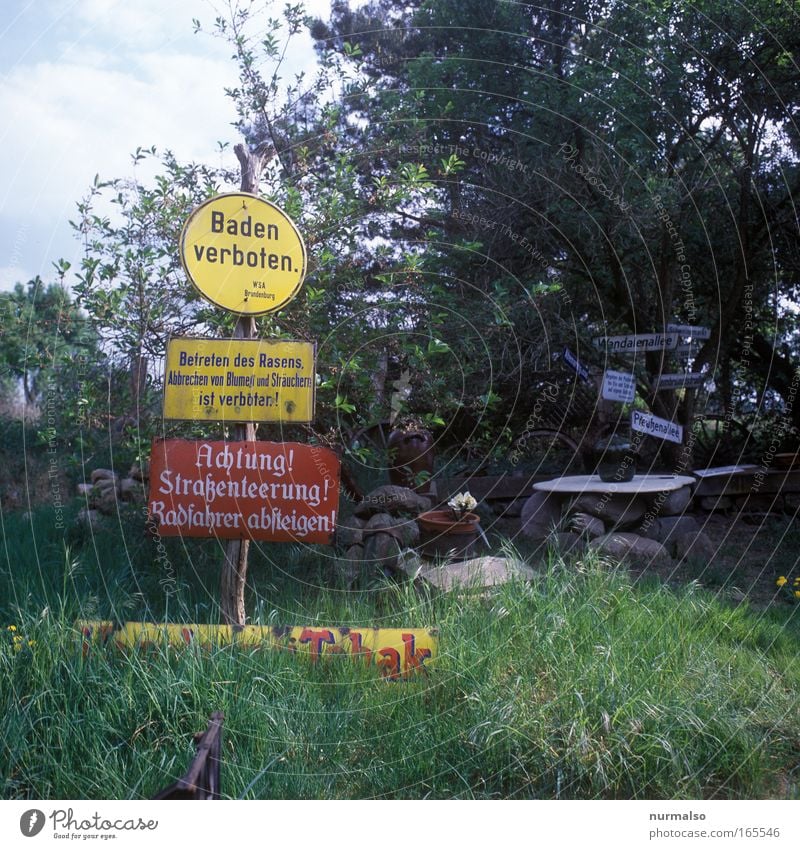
43, 333
480, 184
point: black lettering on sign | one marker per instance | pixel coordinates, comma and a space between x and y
245, 227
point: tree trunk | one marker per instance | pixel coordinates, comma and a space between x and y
234, 567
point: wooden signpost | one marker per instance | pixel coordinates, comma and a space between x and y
621, 386
246, 256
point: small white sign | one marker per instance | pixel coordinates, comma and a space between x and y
574, 363
693, 330
637, 342
682, 380
619, 386
654, 426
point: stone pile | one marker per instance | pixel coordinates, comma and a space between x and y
107, 489
650, 527
382, 526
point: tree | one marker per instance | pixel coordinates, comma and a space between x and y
43, 331
641, 159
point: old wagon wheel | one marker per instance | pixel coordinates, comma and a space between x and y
718, 441
549, 450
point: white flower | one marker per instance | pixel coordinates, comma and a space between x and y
462, 503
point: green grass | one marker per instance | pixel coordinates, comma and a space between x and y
580, 684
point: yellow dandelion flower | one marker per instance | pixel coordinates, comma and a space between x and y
781, 581
17, 638
31, 642
797, 593
11, 628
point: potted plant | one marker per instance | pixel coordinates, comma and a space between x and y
452, 531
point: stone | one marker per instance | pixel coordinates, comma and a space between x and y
355, 552
668, 528
586, 525
541, 513
477, 573
106, 485
694, 545
394, 500
406, 532
411, 564
626, 545
131, 490
140, 471
102, 474
349, 531
758, 503
674, 504
107, 502
85, 489
382, 551
716, 502
92, 518
568, 543
617, 510
791, 503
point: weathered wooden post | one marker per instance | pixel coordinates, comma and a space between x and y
234, 568
246, 256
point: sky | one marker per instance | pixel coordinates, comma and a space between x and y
82, 84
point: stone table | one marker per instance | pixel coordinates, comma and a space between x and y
593, 507
639, 485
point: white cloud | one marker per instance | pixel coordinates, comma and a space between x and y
10, 275
89, 81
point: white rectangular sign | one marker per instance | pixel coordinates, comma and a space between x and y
637, 342
682, 380
574, 363
619, 386
654, 426
693, 330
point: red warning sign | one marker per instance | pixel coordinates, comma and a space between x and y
275, 491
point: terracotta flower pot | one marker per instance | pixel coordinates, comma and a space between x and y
443, 536
442, 521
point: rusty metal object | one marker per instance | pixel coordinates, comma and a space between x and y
202, 779
411, 459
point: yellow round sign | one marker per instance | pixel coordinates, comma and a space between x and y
243, 253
